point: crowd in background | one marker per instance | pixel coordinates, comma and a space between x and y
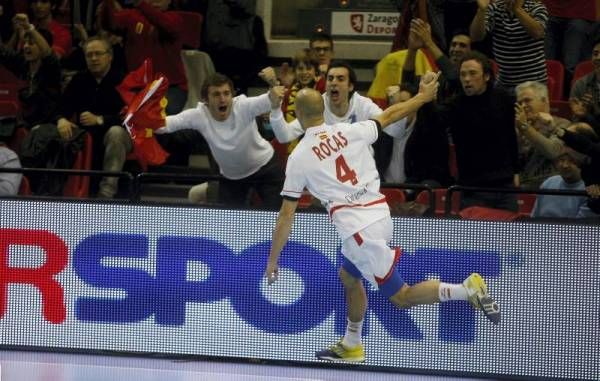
495, 123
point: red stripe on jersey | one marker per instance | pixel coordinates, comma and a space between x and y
358, 238
392, 267
338, 207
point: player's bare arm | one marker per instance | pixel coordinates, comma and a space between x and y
282, 230
428, 88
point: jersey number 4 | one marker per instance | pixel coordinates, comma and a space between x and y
343, 172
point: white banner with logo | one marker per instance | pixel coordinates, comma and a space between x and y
360, 23
184, 280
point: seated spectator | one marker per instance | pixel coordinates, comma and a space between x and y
538, 146
76, 60
481, 122
36, 64
246, 160
585, 94
41, 11
93, 100
517, 29
568, 178
9, 182
582, 138
151, 31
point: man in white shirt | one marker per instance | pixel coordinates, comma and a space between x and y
334, 164
246, 160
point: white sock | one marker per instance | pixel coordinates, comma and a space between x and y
352, 338
448, 291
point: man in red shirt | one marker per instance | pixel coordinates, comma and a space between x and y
156, 33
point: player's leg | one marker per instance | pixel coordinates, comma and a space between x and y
473, 289
350, 348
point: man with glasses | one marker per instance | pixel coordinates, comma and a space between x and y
322, 45
92, 103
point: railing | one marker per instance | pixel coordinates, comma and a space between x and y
135, 184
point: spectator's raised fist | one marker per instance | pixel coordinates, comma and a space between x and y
268, 75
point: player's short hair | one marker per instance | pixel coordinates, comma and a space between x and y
216, 80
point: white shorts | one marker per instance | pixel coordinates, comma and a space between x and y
369, 253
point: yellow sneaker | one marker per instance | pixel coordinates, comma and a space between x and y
339, 352
480, 299
475, 286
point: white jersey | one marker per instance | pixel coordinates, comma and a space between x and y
359, 109
235, 143
333, 162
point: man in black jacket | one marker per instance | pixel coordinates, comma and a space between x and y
92, 102
481, 123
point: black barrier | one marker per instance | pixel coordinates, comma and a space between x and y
77, 172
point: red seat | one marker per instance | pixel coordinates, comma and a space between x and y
25, 187
526, 202
440, 201
487, 214
192, 29
556, 79
8, 108
393, 196
9, 91
17, 139
79, 185
561, 108
582, 68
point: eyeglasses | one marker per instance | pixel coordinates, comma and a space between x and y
95, 54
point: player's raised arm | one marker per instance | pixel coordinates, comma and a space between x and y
428, 88
285, 220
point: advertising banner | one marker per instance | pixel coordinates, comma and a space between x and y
184, 280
